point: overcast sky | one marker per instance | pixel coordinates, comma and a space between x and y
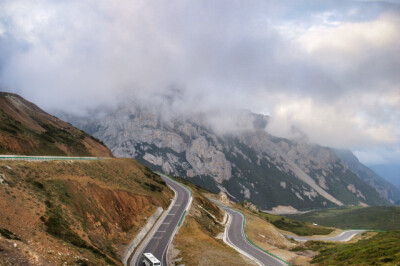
330, 68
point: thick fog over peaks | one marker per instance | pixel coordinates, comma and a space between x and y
330, 69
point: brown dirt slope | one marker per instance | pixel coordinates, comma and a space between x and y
77, 213
26, 129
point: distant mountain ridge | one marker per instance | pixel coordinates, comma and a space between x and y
26, 129
391, 172
249, 164
385, 188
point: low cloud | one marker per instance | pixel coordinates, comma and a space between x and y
379, 155
330, 71
339, 125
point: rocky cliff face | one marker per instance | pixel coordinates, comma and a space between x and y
247, 164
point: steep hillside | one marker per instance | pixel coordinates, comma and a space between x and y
246, 164
386, 189
76, 213
28, 130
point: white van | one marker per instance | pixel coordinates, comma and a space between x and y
150, 260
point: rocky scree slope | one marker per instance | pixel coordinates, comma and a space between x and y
28, 130
248, 164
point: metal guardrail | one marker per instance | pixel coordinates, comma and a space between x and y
46, 158
181, 220
257, 246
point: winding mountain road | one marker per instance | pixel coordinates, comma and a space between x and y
234, 233
159, 242
343, 237
235, 237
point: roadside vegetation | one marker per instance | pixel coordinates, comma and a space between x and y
370, 248
376, 218
383, 248
297, 227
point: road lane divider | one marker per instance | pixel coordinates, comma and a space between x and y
188, 205
141, 235
229, 242
256, 246
183, 215
150, 235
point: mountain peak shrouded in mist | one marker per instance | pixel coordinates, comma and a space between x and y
329, 70
281, 105
247, 164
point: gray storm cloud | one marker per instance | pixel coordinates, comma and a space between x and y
331, 71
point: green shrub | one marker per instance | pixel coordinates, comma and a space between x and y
380, 249
8, 234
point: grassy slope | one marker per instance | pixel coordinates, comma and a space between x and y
378, 218
381, 249
298, 227
374, 248
196, 240
75, 212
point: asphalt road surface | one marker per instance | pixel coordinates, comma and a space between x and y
344, 236
159, 242
235, 237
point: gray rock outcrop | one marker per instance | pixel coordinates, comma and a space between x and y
247, 164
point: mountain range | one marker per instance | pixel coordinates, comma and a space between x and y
247, 163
